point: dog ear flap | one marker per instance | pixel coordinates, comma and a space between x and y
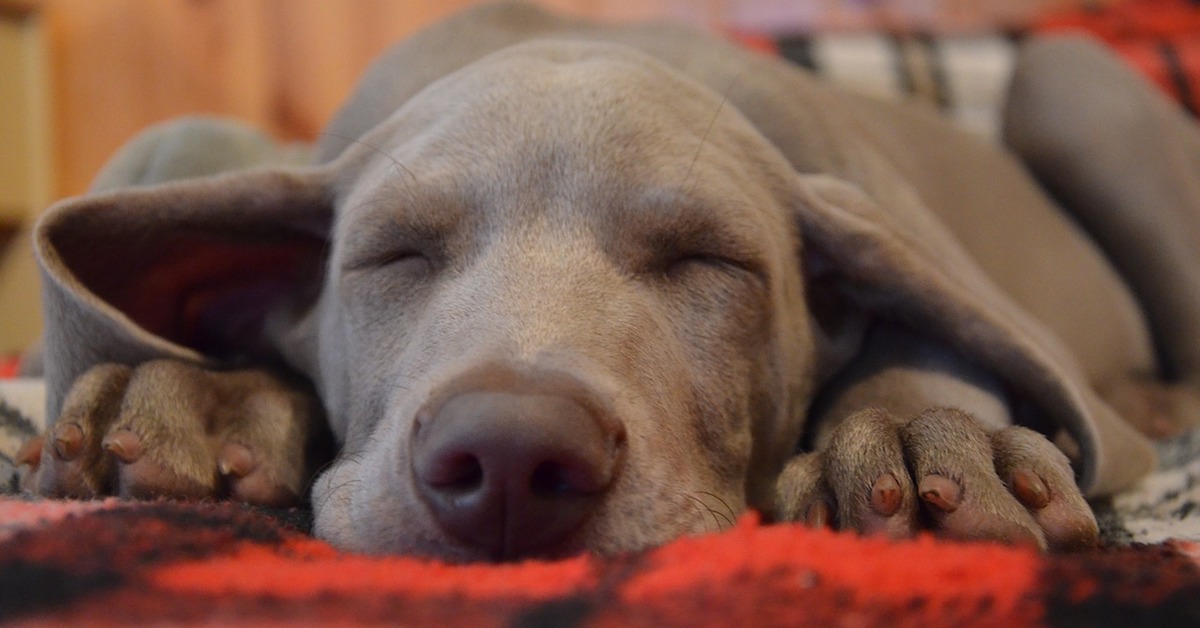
905, 265
188, 270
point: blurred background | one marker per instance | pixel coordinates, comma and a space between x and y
79, 77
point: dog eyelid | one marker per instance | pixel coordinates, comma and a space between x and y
679, 264
393, 243
408, 256
708, 245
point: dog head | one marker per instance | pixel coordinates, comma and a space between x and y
563, 310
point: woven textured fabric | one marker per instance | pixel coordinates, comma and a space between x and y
126, 563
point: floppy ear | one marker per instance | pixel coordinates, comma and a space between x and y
905, 264
188, 270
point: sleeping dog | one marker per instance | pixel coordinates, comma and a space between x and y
551, 286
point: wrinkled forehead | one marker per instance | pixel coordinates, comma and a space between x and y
541, 91
568, 112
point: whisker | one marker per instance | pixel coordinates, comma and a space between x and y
332, 492
718, 513
711, 124
728, 508
376, 150
702, 507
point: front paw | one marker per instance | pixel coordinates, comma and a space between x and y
168, 429
942, 472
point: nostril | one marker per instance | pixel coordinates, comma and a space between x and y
551, 479
457, 472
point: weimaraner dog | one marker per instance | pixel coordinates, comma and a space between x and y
549, 287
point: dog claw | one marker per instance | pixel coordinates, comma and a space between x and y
1030, 489
940, 492
124, 445
68, 441
886, 495
236, 461
30, 453
250, 481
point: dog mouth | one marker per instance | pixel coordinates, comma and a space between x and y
553, 517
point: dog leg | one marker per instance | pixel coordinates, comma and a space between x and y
1157, 409
1122, 160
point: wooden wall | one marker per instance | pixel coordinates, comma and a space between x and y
284, 65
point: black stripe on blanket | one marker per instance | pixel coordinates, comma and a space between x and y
15, 429
1178, 75
798, 50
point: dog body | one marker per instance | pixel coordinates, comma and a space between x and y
562, 287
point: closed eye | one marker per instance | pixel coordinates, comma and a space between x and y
679, 265
406, 259
684, 262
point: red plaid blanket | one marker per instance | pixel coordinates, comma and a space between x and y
123, 563
1161, 38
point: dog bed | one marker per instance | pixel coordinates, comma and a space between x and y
115, 562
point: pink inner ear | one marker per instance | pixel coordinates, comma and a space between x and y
208, 293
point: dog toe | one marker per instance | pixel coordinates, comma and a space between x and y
1040, 478
157, 457
801, 493
72, 463
63, 469
962, 494
147, 478
250, 480
864, 465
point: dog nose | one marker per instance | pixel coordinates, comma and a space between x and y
514, 474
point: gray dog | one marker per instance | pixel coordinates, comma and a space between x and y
557, 287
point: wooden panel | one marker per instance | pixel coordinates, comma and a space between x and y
120, 65
24, 167
284, 65
24, 117
323, 47
20, 299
